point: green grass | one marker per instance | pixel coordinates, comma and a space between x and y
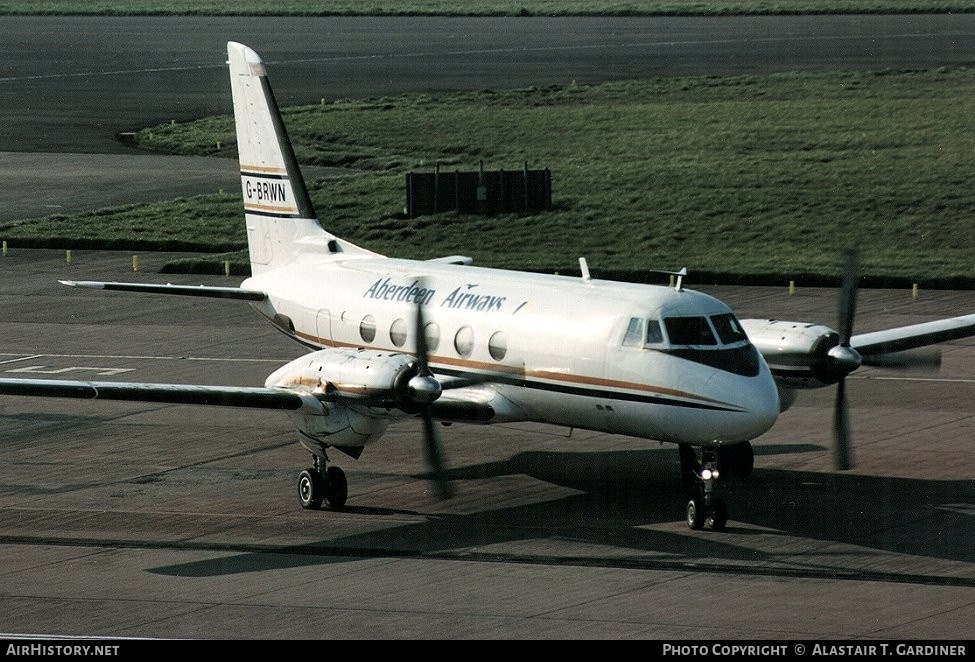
736, 178
480, 8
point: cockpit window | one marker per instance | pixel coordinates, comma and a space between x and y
728, 328
694, 339
654, 334
635, 336
634, 333
689, 331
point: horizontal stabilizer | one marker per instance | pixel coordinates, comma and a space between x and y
222, 396
180, 290
917, 335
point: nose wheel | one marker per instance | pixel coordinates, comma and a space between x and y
704, 508
318, 485
701, 515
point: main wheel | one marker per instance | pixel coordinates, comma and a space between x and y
310, 493
696, 513
336, 488
719, 515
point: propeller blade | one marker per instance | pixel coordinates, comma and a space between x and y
844, 359
420, 335
434, 456
848, 297
432, 447
842, 456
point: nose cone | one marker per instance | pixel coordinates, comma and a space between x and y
755, 401
759, 397
764, 405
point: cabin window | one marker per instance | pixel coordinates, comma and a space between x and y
689, 331
634, 333
432, 333
498, 345
367, 328
397, 332
464, 341
728, 328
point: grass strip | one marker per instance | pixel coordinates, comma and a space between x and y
740, 179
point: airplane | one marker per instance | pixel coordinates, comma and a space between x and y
447, 341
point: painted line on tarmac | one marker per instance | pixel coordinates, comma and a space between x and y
921, 379
20, 357
144, 358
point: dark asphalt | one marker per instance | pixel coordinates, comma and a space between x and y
71, 84
143, 520
164, 521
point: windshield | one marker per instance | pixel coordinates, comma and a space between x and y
728, 328
717, 341
689, 331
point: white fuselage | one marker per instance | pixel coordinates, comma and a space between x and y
559, 350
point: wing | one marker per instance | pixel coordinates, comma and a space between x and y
459, 407
181, 290
222, 396
456, 407
911, 337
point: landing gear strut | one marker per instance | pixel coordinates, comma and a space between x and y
317, 485
704, 508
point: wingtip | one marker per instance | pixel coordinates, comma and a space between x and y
244, 59
95, 285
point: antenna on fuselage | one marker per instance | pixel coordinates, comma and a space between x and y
584, 267
679, 274
680, 278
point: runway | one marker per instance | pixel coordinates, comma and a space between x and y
134, 520
66, 96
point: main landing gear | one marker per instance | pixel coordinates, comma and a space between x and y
704, 507
317, 485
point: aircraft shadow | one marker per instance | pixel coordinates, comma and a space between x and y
620, 494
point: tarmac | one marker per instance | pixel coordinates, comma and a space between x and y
130, 520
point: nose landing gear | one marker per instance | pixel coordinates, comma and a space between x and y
704, 508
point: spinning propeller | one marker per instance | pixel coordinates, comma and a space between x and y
424, 389
843, 359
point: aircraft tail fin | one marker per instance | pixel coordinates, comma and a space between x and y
280, 217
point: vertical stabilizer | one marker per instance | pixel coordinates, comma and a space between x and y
281, 220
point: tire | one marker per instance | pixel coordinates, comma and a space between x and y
310, 491
719, 515
696, 514
336, 488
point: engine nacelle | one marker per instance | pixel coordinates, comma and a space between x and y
797, 353
357, 389
374, 377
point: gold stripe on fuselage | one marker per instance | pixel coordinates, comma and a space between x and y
519, 371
